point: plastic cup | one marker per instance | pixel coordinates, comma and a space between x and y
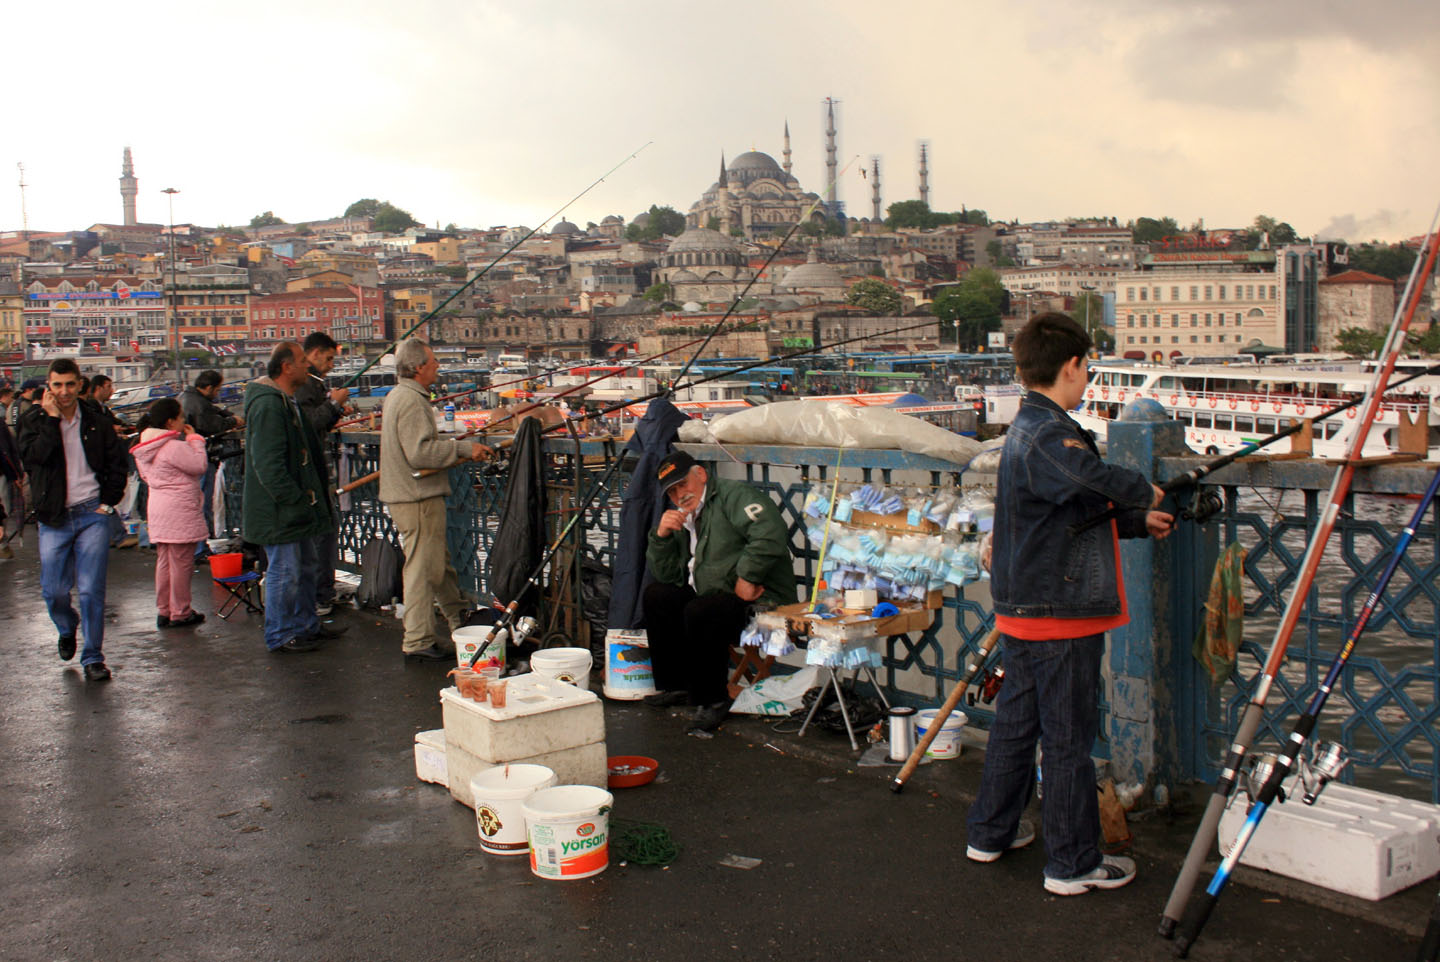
470, 684
496, 690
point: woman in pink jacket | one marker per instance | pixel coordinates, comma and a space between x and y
171, 458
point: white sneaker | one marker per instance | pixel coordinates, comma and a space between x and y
1113, 872
1024, 835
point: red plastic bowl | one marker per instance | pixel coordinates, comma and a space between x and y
632, 779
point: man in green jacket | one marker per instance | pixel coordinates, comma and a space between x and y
286, 506
720, 550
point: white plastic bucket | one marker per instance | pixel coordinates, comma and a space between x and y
569, 831
628, 672
947, 741
470, 638
564, 664
500, 795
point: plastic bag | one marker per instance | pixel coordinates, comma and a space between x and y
778, 694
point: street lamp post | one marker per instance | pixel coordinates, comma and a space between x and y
1087, 288
172, 322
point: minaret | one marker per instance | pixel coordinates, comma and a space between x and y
831, 167
129, 187
924, 178
786, 165
875, 189
722, 197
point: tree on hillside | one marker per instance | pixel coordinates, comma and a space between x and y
384, 216
1279, 231
660, 293
364, 207
971, 308
662, 221
267, 219
1384, 260
875, 296
1147, 230
1359, 341
1089, 313
998, 255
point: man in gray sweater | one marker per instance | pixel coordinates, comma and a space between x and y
409, 442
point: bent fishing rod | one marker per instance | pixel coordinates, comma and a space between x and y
972, 668
1328, 757
503, 254
1255, 710
1195, 475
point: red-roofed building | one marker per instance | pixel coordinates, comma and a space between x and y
1353, 299
346, 313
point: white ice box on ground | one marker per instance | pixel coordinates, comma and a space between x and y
544, 722
1352, 840
430, 757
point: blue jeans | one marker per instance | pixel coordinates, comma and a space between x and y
327, 550
75, 554
1050, 694
290, 592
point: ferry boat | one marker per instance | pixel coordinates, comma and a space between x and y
1225, 406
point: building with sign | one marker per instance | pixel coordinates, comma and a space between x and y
12, 316
101, 314
212, 304
347, 313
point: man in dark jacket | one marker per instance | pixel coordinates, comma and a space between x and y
322, 409
11, 473
209, 420
286, 507
721, 548
77, 476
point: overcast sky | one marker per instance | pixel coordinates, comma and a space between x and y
1319, 112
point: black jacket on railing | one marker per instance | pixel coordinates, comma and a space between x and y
43, 453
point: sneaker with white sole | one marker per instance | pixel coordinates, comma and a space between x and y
1113, 872
1024, 835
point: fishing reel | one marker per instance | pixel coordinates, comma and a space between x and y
988, 685
1206, 504
1325, 763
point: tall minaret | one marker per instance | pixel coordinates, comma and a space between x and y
129, 187
786, 165
875, 188
924, 177
722, 197
831, 167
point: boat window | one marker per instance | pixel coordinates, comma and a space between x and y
1332, 428
1166, 383
1223, 422
1244, 424
1265, 425
1202, 420
1184, 417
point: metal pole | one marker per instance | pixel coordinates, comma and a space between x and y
173, 321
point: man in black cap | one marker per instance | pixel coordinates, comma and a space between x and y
721, 549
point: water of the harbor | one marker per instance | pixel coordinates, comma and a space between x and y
1391, 678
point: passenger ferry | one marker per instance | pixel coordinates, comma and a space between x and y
1225, 406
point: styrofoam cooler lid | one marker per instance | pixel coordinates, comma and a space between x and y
528, 694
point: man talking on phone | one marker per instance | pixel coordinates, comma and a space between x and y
77, 471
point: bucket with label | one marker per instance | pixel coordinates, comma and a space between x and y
570, 665
500, 796
469, 639
569, 831
628, 673
947, 742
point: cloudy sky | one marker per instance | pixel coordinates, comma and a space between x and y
1319, 112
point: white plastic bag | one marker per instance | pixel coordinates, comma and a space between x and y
778, 694
841, 425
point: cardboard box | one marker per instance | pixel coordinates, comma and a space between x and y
909, 620
892, 522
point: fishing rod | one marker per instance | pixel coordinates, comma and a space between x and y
917, 754
1328, 757
1195, 475
1255, 710
503, 254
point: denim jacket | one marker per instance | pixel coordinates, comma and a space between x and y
1050, 477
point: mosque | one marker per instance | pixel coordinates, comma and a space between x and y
755, 197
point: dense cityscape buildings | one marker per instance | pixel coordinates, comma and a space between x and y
620, 287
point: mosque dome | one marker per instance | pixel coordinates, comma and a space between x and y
812, 275
753, 163
612, 219
641, 219
702, 239
565, 227
691, 307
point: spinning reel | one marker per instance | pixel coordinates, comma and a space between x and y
1325, 763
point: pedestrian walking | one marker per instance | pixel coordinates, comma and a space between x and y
171, 458
76, 465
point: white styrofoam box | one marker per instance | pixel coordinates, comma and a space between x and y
866, 598
582, 765
430, 756
1352, 840
541, 715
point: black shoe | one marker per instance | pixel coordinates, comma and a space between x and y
67, 647
707, 718
328, 631
433, 653
97, 672
296, 646
667, 699
161, 621
193, 618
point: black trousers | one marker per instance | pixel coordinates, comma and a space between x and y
690, 638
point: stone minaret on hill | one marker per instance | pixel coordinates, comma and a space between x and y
875, 189
722, 197
786, 165
129, 187
831, 164
924, 177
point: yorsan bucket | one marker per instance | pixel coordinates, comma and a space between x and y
569, 831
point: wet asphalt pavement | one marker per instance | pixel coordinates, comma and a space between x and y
215, 801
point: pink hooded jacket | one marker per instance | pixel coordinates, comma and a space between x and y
173, 468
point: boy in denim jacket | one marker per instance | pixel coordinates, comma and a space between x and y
1056, 594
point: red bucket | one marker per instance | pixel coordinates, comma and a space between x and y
226, 565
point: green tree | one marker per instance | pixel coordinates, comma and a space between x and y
836, 227
712, 223
659, 293
1279, 231
1384, 260
663, 221
1429, 342
971, 308
875, 296
267, 219
1359, 341
1147, 230
1094, 320
453, 271
998, 256
364, 207
390, 219
812, 228
977, 217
